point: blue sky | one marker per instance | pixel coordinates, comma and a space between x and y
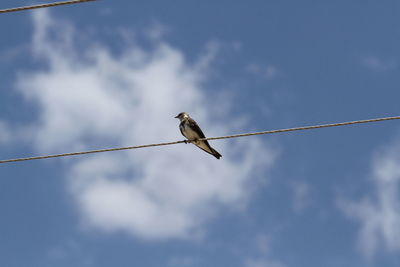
115, 73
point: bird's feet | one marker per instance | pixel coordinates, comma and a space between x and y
190, 141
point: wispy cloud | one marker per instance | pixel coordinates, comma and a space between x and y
182, 261
301, 195
88, 97
377, 64
267, 72
263, 263
106, 11
5, 133
263, 253
379, 212
157, 31
7, 56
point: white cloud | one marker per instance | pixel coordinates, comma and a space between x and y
89, 98
379, 65
379, 212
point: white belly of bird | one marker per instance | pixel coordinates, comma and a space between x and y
189, 133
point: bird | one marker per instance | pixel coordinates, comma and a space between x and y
192, 132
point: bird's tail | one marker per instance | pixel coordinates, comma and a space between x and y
204, 145
215, 153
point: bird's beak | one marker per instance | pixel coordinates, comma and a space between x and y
176, 116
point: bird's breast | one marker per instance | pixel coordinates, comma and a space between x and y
189, 133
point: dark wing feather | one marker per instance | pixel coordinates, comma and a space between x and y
194, 126
180, 128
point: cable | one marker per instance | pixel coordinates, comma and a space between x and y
43, 5
211, 138
305, 128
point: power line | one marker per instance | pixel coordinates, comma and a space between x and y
43, 5
210, 138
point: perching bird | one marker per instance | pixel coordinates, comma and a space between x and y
192, 132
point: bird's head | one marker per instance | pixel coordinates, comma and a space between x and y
181, 116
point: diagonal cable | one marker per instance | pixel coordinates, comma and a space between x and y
14, 9
210, 138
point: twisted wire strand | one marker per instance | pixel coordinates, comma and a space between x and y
210, 138
14, 9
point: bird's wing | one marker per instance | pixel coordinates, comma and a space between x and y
181, 128
195, 127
